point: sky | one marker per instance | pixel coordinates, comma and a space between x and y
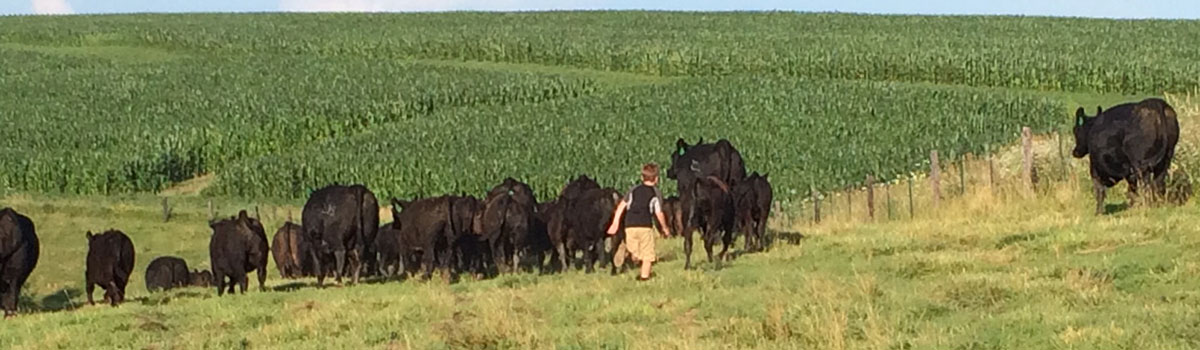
1188, 9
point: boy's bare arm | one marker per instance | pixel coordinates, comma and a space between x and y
614, 225
662, 224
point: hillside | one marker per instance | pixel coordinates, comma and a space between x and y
112, 114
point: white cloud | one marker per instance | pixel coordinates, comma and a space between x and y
421, 5
52, 7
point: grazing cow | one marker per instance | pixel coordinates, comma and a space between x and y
201, 278
691, 163
505, 221
752, 201
110, 260
586, 219
714, 217
19, 251
167, 272
1132, 141
237, 247
288, 249
338, 220
387, 243
425, 228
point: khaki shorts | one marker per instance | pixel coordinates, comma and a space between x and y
639, 243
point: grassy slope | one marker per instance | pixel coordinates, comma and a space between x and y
987, 273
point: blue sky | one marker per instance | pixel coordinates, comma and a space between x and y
1085, 8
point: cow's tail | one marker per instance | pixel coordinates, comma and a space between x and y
717, 182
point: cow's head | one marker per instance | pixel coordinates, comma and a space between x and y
681, 148
1081, 127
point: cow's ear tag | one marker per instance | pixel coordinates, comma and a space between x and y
681, 151
1079, 121
510, 192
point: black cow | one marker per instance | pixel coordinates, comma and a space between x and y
237, 247
691, 163
714, 217
425, 228
1132, 141
166, 273
586, 220
387, 244
289, 251
752, 201
506, 221
110, 261
336, 220
19, 249
199, 278
471, 247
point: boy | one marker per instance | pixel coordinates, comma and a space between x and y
642, 204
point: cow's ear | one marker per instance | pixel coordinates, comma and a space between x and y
681, 146
89, 235
243, 216
1099, 110
1079, 113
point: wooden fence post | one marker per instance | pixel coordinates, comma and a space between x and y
850, 204
1027, 159
887, 193
166, 210
962, 175
871, 197
211, 213
935, 178
1062, 159
991, 170
816, 205
911, 212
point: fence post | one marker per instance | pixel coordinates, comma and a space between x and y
1062, 159
911, 212
887, 193
816, 205
211, 214
935, 178
1027, 159
871, 197
991, 170
166, 210
850, 203
962, 175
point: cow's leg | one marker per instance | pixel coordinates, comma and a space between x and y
317, 268
356, 263
687, 251
1159, 185
445, 259
726, 242
1133, 193
10, 294
1099, 190
219, 280
339, 264
91, 288
262, 278
562, 257
516, 259
113, 291
10, 297
427, 261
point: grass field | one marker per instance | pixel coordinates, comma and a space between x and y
114, 113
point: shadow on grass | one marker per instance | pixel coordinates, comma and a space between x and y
1110, 208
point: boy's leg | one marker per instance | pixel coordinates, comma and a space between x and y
621, 252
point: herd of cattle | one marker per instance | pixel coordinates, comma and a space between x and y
508, 229
504, 231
